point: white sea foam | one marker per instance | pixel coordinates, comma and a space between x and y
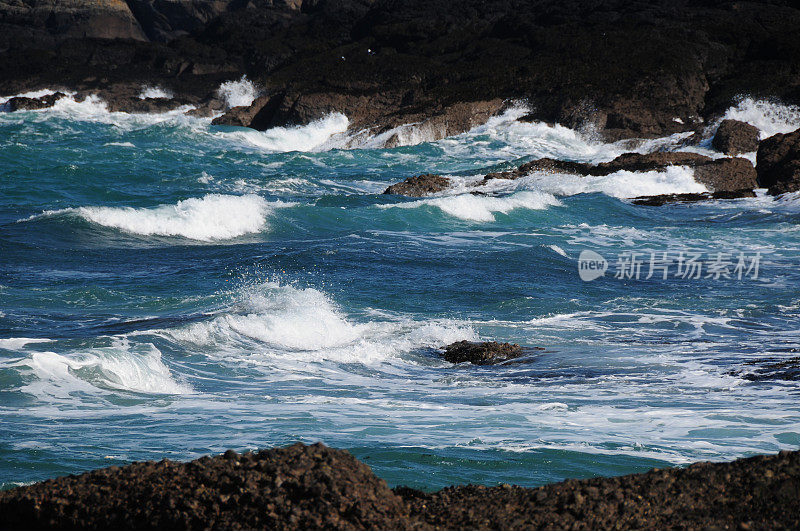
621, 184
212, 217
154, 92
315, 136
239, 93
118, 367
483, 208
16, 343
293, 324
771, 118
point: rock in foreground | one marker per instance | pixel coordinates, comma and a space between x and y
481, 353
311, 487
756, 493
778, 163
299, 487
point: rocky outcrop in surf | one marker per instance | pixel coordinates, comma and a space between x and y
481, 353
420, 185
734, 137
778, 163
623, 70
304, 487
668, 199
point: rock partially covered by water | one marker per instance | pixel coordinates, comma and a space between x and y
298, 487
727, 174
734, 137
666, 199
778, 163
481, 353
21, 103
420, 185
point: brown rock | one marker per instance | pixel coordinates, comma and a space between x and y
420, 185
727, 174
734, 137
483, 353
778, 163
298, 487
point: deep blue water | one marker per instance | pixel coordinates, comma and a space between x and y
173, 289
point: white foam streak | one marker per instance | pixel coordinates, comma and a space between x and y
483, 208
17, 343
621, 184
212, 217
149, 92
771, 118
239, 93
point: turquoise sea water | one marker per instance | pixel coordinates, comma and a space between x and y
171, 289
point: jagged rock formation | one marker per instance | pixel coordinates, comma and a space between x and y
778, 163
625, 69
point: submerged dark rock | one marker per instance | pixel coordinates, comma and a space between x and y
734, 137
481, 353
315, 487
772, 369
666, 199
778, 163
420, 185
726, 174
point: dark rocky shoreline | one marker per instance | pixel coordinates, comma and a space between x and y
302, 487
640, 69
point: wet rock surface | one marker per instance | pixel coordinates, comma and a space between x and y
22, 103
302, 487
734, 137
778, 163
419, 185
667, 199
771, 369
481, 353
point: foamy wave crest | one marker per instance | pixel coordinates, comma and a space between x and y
149, 92
239, 93
119, 367
621, 184
212, 217
483, 208
771, 118
284, 322
316, 136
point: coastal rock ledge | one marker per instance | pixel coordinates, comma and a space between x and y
305, 487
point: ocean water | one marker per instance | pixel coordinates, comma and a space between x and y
170, 288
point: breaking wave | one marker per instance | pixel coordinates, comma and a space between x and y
239, 93
471, 207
